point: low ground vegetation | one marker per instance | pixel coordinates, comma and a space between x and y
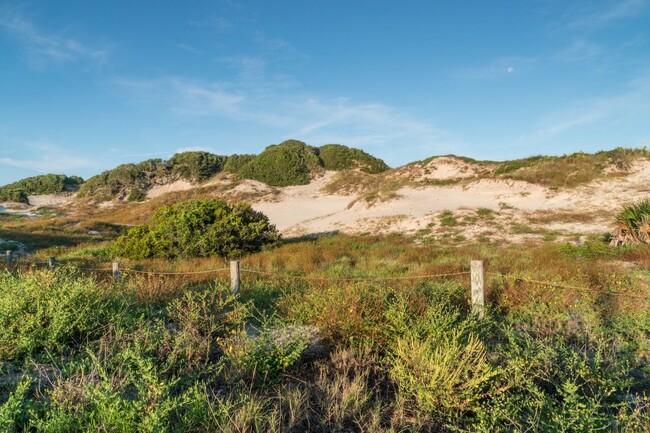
181, 353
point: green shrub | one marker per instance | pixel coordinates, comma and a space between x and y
236, 162
43, 184
263, 356
198, 228
451, 374
339, 157
15, 195
137, 195
120, 181
288, 163
50, 311
196, 166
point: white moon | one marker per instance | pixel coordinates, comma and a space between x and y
510, 69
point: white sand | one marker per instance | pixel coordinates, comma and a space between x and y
179, 185
49, 200
303, 210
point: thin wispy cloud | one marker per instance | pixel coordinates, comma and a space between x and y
43, 48
579, 50
296, 115
52, 158
634, 101
617, 11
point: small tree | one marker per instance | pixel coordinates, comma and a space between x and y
198, 228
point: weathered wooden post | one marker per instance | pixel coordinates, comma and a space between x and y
9, 258
478, 298
116, 271
235, 281
51, 263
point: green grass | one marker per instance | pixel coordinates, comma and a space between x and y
180, 353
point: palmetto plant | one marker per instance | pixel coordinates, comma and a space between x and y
632, 224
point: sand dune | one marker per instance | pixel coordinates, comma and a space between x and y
303, 210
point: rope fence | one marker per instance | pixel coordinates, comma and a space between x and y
476, 273
570, 287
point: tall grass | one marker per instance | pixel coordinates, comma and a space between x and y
290, 354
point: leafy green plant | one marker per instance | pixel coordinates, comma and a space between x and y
198, 228
288, 163
632, 224
196, 166
263, 356
339, 157
451, 374
236, 162
137, 195
51, 311
43, 184
120, 181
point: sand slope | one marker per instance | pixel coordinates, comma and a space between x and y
304, 210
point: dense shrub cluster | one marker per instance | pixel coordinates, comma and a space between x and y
50, 312
339, 157
198, 228
288, 163
120, 181
132, 181
292, 162
196, 166
236, 162
43, 184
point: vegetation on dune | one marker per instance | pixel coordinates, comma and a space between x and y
43, 184
236, 162
196, 166
132, 181
288, 163
291, 162
570, 170
120, 181
338, 157
632, 224
198, 228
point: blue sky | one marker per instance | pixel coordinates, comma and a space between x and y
88, 85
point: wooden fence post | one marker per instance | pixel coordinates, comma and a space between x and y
51, 263
116, 271
235, 281
9, 253
478, 298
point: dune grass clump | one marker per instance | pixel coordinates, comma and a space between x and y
571, 170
